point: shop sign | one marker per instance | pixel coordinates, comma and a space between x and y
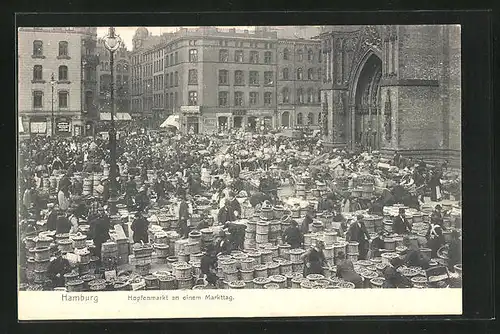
190, 109
38, 125
210, 122
63, 125
261, 112
239, 112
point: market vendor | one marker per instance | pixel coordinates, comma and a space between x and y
227, 213
52, 213
454, 250
222, 244
393, 278
357, 232
236, 235
99, 228
413, 257
56, 270
293, 236
314, 259
435, 237
377, 244
437, 215
73, 219
400, 223
140, 228
308, 220
183, 216
208, 265
345, 271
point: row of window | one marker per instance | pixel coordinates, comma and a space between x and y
63, 97
300, 55
38, 73
239, 78
253, 98
299, 96
299, 74
105, 66
239, 56
310, 119
38, 48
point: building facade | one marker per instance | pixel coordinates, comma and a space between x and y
121, 75
53, 80
393, 88
222, 78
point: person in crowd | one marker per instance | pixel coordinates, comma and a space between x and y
435, 184
208, 265
130, 192
141, 199
73, 220
393, 278
63, 199
345, 271
413, 257
236, 234
159, 188
293, 235
357, 232
52, 216
437, 215
377, 245
57, 164
65, 183
400, 223
435, 237
222, 245
58, 267
314, 259
308, 220
454, 250
226, 213
140, 228
184, 216
63, 225
100, 226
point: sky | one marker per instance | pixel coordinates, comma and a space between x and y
127, 33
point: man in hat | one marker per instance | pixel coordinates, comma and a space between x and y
308, 220
314, 259
226, 213
63, 224
141, 199
435, 237
357, 232
140, 228
293, 236
184, 215
58, 267
400, 223
100, 226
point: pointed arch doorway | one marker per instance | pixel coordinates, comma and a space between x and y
366, 117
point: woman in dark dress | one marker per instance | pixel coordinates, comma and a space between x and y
314, 259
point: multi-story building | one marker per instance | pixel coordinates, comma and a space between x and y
393, 88
221, 78
299, 83
56, 71
121, 75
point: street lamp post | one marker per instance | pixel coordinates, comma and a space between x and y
112, 42
52, 83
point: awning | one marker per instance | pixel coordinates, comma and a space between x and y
20, 126
119, 116
172, 120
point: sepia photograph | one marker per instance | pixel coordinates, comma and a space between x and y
212, 168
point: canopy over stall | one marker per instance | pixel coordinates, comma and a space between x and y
172, 120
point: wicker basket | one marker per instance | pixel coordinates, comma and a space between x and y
42, 253
260, 282
75, 285
260, 271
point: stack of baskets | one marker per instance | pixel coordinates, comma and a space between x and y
142, 258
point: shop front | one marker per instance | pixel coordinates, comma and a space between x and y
190, 119
224, 121
261, 120
39, 125
63, 126
239, 119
